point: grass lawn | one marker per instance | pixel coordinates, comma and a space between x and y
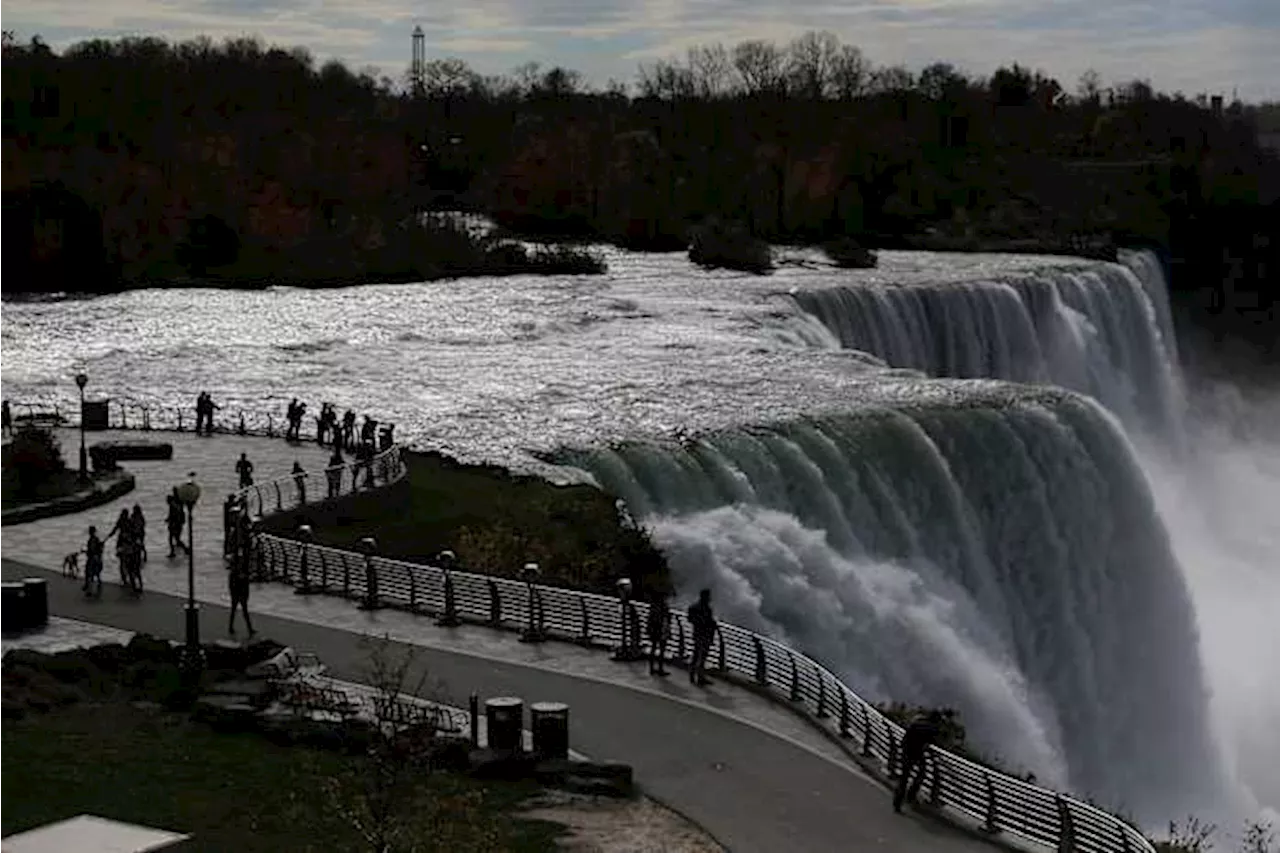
234, 792
494, 521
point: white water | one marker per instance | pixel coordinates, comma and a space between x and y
978, 543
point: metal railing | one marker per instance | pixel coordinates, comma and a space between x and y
969, 793
291, 491
131, 414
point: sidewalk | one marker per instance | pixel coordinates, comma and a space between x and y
750, 789
746, 769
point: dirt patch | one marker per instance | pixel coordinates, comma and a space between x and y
639, 825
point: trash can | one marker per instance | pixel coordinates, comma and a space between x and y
550, 724
95, 414
35, 600
12, 614
505, 715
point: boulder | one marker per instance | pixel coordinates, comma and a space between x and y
144, 647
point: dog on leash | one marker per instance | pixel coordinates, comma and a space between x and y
71, 565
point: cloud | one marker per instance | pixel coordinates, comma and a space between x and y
1193, 45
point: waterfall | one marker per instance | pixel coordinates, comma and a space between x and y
1102, 329
994, 548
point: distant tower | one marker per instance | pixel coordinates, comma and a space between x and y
418, 70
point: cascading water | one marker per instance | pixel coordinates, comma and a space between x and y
985, 545
1104, 330
995, 549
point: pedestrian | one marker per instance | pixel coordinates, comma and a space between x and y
6, 419
245, 469
291, 418
299, 414
919, 736
209, 408
140, 531
703, 622
230, 508
659, 628
348, 429
175, 520
300, 480
93, 548
123, 531
334, 471
200, 411
238, 586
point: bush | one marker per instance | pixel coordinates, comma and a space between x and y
34, 458
730, 246
849, 254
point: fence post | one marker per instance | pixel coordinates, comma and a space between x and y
1066, 828
585, 637
146, 418
324, 573
271, 565
866, 732
413, 590
258, 491
346, 576
1125, 845
474, 707
935, 781
369, 545
179, 420
762, 672
124, 417
680, 635
495, 604
822, 696
720, 638
795, 679
844, 714
279, 498
304, 575
989, 825
892, 766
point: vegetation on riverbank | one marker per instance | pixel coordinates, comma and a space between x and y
86, 744
33, 469
307, 170
495, 522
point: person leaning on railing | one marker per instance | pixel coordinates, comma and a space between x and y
919, 736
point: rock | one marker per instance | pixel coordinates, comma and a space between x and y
225, 713
252, 691
261, 650
144, 647
108, 657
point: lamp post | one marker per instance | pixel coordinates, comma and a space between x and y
533, 632
188, 494
625, 651
82, 379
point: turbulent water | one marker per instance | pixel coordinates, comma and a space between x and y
990, 544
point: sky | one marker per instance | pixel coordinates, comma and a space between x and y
1214, 46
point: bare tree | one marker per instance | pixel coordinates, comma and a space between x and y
811, 62
1089, 87
711, 69
449, 77
374, 799
849, 73
894, 78
941, 80
667, 80
760, 66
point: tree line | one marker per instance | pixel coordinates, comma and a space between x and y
195, 156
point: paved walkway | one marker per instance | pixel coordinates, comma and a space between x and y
746, 769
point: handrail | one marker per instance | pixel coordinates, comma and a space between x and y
964, 791
291, 491
127, 413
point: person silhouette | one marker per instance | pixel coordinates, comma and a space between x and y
703, 621
245, 469
659, 628
93, 549
919, 736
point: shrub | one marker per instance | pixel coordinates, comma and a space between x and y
848, 253
35, 458
728, 245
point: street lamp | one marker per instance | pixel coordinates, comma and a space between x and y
533, 632
188, 494
627, 650
82, 379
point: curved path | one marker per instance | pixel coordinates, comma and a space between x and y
749, 772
